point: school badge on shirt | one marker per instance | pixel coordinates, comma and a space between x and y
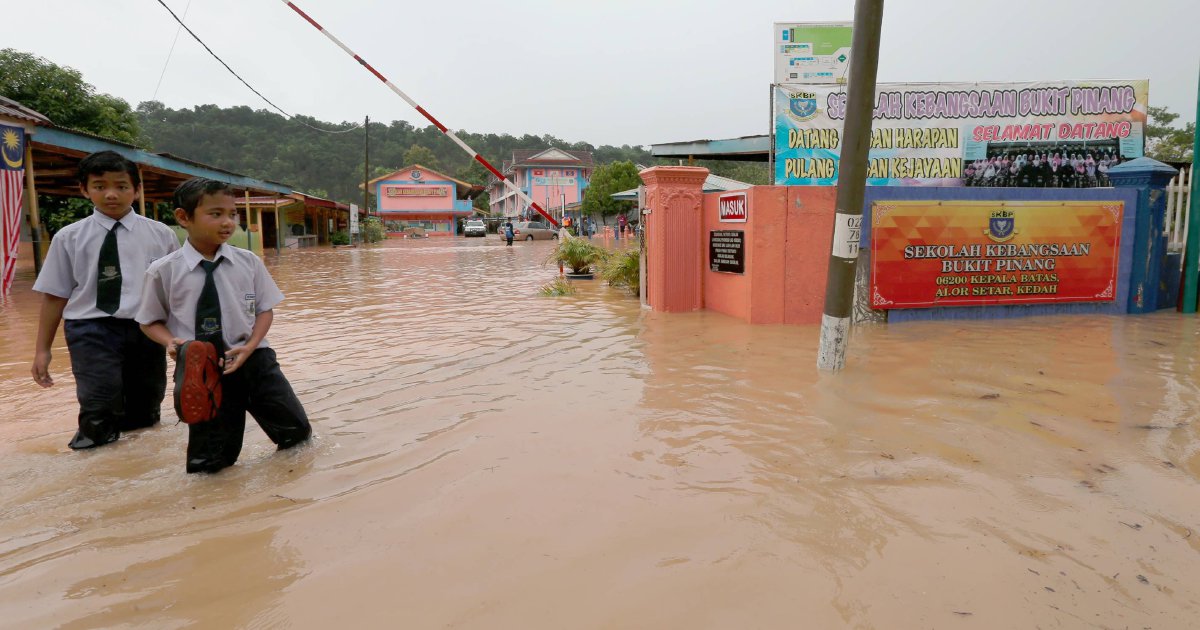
250, 302
209, 326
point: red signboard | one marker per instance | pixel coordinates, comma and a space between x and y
416, 191
961, 253
732, 208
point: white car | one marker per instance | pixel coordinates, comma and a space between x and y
475, 227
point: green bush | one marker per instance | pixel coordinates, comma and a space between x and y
340, 238
622, 269
558, 287
372, 230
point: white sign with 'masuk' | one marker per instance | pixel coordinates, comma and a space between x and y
732, 208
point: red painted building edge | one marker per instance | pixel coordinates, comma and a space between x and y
786, 235
786, 260
676, 247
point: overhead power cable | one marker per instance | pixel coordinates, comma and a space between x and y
170, 52
239, 78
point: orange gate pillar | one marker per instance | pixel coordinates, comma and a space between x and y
674, 229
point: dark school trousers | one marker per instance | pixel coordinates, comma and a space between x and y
260, 388
120, 378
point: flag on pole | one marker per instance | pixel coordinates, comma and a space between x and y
12, 190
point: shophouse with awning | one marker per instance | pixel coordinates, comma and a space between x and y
51, 156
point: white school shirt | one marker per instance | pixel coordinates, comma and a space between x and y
72, 263
174, 283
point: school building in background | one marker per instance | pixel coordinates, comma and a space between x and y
420, 197
554, 178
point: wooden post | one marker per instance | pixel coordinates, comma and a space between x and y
142, 192
35, 222
278, 227
249, 241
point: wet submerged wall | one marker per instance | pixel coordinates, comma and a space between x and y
776, 273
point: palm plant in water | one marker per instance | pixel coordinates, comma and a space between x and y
576, 254
622, 269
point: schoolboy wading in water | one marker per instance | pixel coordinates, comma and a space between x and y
213, 292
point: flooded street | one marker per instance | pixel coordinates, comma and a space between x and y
489, 458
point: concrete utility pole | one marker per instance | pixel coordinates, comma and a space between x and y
1191, 252
852, 180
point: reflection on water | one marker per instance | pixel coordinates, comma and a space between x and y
489, 458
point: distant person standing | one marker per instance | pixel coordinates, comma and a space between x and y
621, 221
508, 233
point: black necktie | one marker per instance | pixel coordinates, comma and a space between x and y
208, 308
108, 274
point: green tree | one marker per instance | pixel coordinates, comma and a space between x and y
63, 96
417, 154
608, 179
1166, 142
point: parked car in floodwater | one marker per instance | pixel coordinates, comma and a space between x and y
531, 231
474, 227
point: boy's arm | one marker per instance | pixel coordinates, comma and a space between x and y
158, 333
237, 355
152, 312
48, 321
267, 295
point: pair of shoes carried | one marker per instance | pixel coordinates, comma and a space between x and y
197, 382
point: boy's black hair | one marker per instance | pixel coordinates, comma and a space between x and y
103, 162
189, 193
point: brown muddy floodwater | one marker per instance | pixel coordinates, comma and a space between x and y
489, 458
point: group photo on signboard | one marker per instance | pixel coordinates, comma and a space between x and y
1044, 165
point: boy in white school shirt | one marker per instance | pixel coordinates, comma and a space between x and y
211, 291
92, 278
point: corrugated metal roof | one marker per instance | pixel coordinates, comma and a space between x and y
745, 148
13, 109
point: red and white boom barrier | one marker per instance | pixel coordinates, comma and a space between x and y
475, 156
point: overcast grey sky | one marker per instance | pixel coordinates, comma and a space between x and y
608, 72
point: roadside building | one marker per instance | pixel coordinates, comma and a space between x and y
306, 220
420, 198
42, 160
554, 178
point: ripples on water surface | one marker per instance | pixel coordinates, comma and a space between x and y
490, 458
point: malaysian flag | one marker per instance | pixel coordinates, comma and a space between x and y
12, 189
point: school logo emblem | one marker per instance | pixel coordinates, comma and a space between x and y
110, 272
802, 106
210, 325
1002, 226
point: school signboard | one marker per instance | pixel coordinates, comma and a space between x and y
962, 253
812, 52
1050, 134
